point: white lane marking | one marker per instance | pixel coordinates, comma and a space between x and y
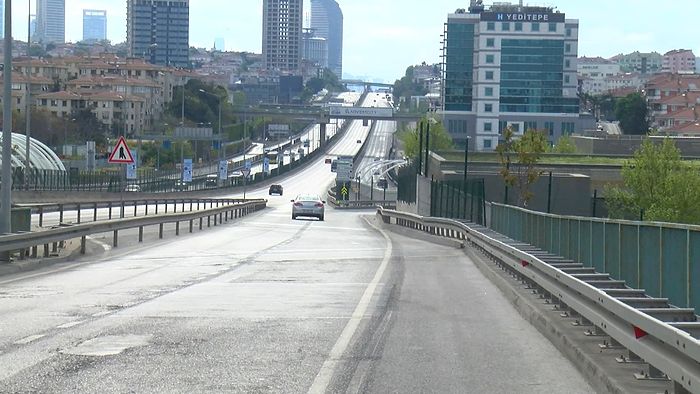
100, 314
71, 324
107, 247
323, 378
29, 339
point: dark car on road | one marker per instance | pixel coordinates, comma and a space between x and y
276, 189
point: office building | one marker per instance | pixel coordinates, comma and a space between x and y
282, 35
159, 31
315, 49
32, 27
94, 25
509, 66
327, 22
51, 21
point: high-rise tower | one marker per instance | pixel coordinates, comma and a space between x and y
94, 25
51, 21
282, 38
159, 31
327, 22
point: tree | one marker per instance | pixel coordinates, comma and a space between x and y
564, 145
631, 111
439, 138
522, 173
407, 87
658, 184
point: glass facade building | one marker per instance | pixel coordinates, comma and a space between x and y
158, 31
51, 21
327, 22
509, 66
94, 25
459, 67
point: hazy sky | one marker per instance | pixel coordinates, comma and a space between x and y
383, 37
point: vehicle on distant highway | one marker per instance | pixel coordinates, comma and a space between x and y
328, 161
308, 205
276, 189
181, 185
132, 188
272, 156
359, 141
212, 180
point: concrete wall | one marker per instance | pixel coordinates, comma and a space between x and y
627, 145
423, 197
570, 193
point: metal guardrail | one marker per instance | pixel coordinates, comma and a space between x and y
670, 347
157, 206
25, 241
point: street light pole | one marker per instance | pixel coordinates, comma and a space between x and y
6, 187
28, 132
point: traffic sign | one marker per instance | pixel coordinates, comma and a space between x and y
266, 165
223, 169
245, 172
343, 190
131, 171
121, 153
187, 170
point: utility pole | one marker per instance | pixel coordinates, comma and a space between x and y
6, 188
28, 150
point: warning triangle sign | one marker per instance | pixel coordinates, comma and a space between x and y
121, 153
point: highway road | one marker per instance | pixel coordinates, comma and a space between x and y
268, 304
377, 149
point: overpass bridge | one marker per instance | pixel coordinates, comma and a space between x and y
366, 84
324, 114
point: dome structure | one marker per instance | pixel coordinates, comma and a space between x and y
41, 156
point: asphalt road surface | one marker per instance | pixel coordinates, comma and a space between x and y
268, 304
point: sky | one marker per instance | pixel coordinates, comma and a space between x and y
383, 37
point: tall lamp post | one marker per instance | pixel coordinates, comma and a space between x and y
220, 102
27, 168
6, 188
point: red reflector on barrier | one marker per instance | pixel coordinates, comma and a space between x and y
524, 263
639, 333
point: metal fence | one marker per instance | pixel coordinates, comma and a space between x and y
662, 258
458, 200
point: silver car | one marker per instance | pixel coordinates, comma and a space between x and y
309, 205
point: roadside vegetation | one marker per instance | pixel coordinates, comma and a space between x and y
440, 139
519, 159
657, 186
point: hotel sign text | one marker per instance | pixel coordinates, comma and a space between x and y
522, 17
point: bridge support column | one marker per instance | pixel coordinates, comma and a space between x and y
322, 136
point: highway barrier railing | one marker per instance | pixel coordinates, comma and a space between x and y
653, 331
23, 242
79, 212
662, 258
